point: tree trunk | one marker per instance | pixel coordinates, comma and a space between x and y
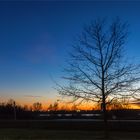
106, 131
15, 114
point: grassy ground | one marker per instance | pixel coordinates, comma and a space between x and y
38, 134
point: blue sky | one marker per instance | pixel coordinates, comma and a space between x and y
35, 38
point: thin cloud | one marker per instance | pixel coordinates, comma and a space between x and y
32, 96
136, 103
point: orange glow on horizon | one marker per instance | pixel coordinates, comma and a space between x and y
65, 106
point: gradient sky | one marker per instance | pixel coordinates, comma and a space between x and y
35, 38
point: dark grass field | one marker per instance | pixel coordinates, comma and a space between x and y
38, 134
68, 130
87, 125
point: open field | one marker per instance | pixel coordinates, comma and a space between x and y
38, 134
68, 130
86, 125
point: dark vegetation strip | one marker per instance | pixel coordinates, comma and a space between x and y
71, 125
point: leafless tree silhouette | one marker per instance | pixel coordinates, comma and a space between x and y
54, 106
97, 70
12, 103
37, 106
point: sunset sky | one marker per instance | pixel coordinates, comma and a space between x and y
36, 36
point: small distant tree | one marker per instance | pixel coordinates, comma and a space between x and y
37, 106
50, 107
54, 106
96, 69
12, 104
26, 108
74, 107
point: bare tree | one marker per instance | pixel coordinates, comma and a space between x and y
97, 70
54, 106
12, 103
37, 106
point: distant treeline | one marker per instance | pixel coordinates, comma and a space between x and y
12, 111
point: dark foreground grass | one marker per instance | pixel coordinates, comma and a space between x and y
38, 134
